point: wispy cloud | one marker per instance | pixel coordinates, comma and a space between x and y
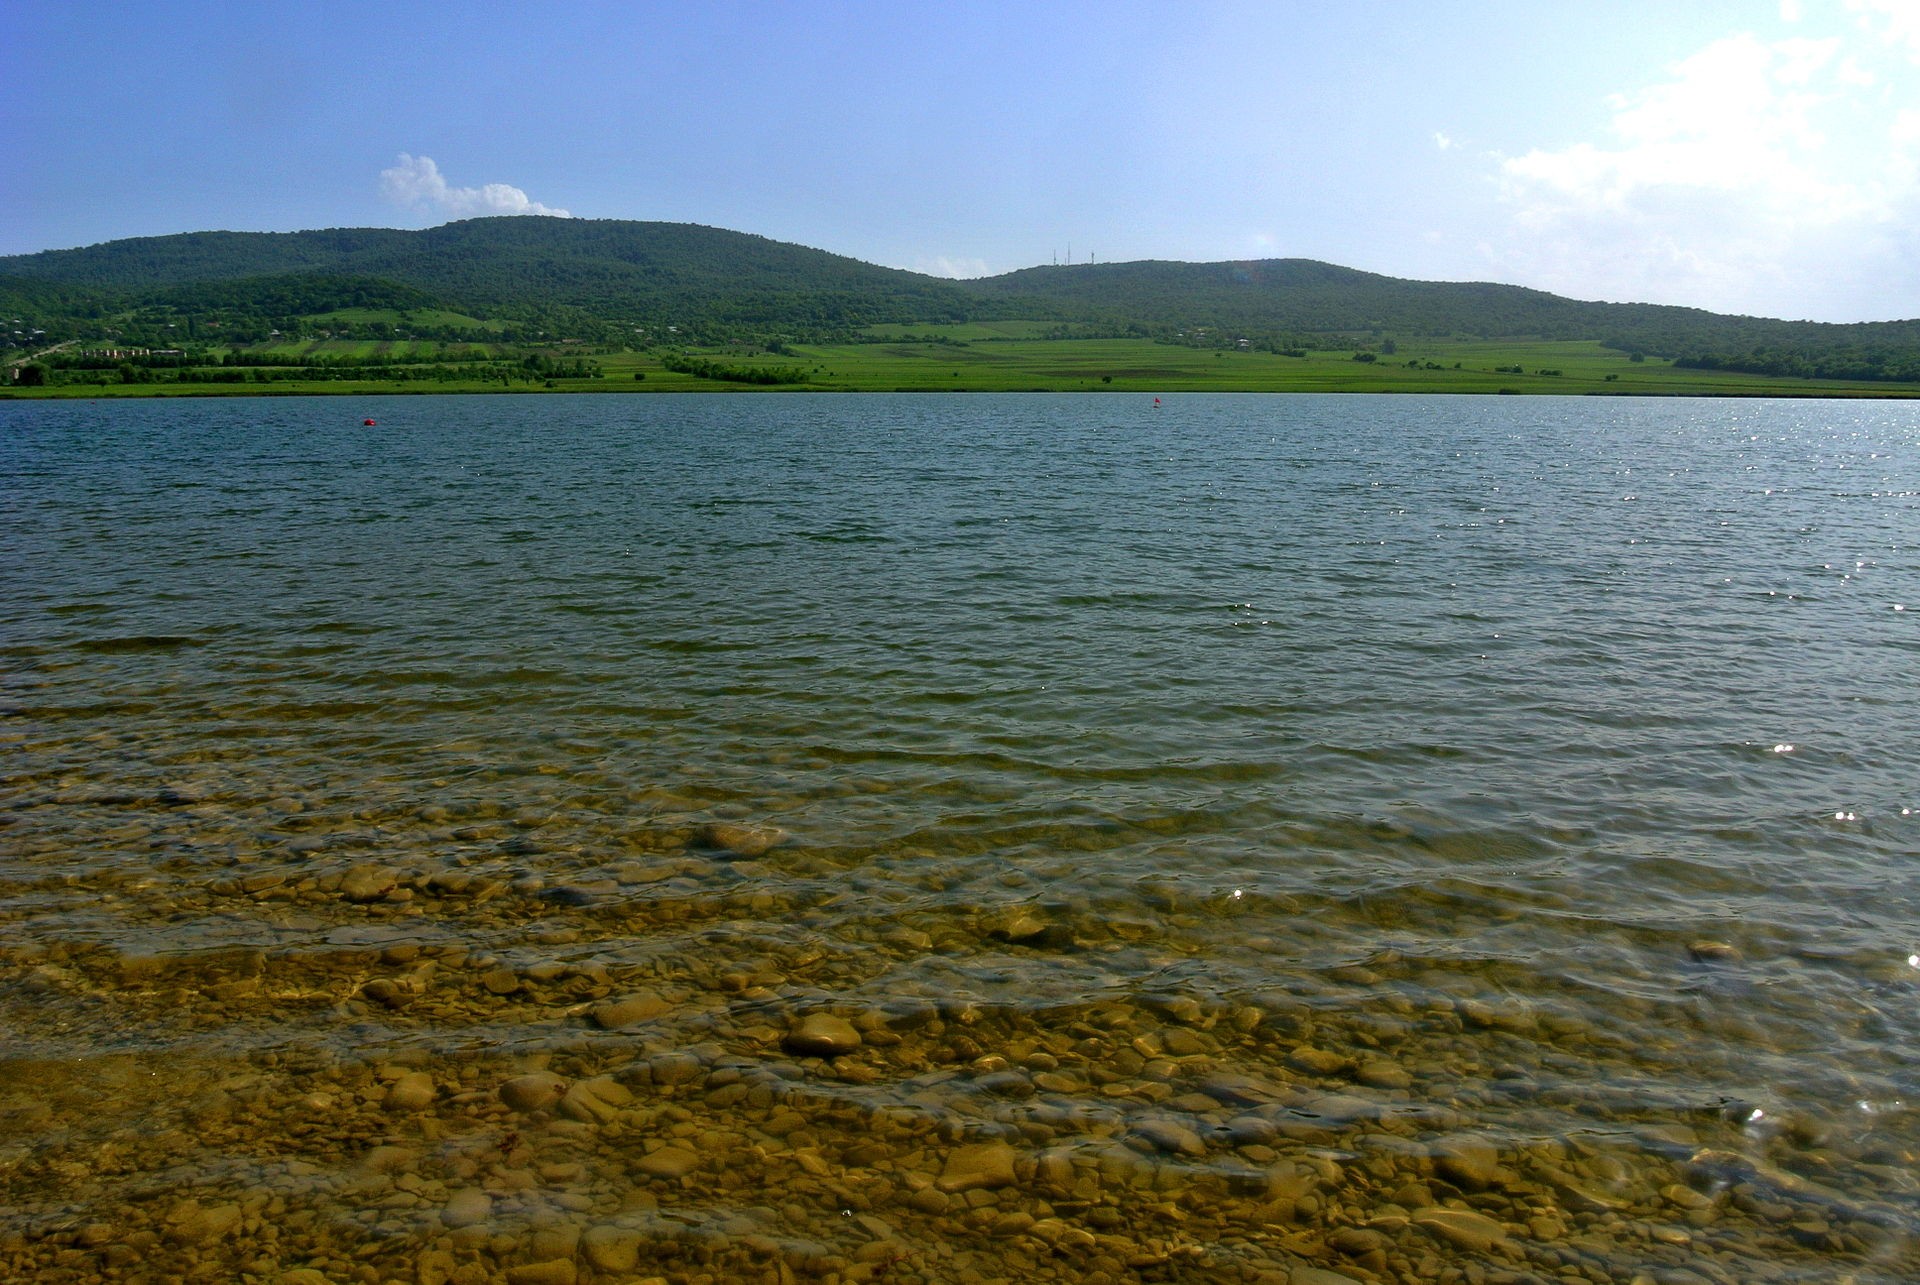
1895, 22
417, 184
946, 265
1759, 176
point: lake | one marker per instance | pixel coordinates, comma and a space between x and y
960, 838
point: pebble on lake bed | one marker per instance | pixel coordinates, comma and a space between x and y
1170, 1136
532, 1092
1461, 1228
1469, 1163
368, 883
552, 1271
190, 1223
669, 1162
637, 1007
822, 1035
982, 1165
612, 1248
741, 840
413, 1091
466, 1208
595, 1101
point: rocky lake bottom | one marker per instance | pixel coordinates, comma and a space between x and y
371, 1097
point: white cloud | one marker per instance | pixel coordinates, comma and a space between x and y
1892, 21
417, 184
1770, 177
1442, 142
957, 268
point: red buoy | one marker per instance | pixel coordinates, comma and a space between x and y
367, 423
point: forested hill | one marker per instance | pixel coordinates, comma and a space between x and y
1306, 295
1303, 296
608, 267
713, 281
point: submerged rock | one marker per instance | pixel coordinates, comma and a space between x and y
1316, 1061
981, 1165
532, 1092
595, 1101
467, 1207
611, 1247
741, 840
1469, 1163
368, 883
668, 1162
637, 1007
822, 1035
190, 1223
1170, 1136
1022, 925
413, 1091
1461, 1228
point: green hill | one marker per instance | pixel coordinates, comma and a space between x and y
605, 277
1305, 297
645, 271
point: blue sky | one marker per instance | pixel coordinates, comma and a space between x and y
1759, 157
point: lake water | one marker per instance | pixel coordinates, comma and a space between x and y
934, 838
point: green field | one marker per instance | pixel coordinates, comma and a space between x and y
408, 319
1139, 365
394, 350
966, 331
1002, 357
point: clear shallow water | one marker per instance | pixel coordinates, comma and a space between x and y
1233, 812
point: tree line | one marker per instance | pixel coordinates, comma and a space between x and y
706, 368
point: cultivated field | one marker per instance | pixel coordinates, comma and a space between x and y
999, 357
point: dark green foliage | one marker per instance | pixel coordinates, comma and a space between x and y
705, 280
705, 368
1839, 362
21, 296
540, 365
1299, 295
158, 261
1308, 298
290, 296
613, 282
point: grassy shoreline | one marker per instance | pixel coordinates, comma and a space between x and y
935, 362
338, 389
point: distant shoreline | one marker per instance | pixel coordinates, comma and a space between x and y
217, 393
953, 359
